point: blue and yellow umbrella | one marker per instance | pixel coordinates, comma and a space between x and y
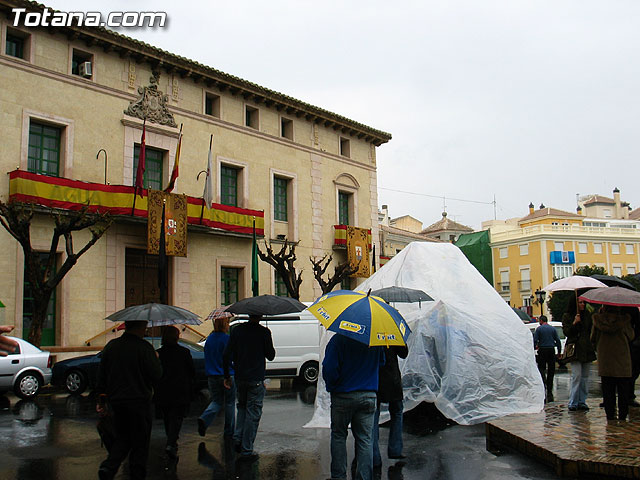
363, 318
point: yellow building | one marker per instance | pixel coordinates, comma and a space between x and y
530, 252
73, 101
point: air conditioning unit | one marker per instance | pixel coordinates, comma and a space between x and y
85, 70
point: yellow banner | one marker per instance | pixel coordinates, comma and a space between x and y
358, 250
175, 223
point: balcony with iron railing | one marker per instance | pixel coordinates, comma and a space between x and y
563, 230
504, 287
524, 285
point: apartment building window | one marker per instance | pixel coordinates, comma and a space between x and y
562, 271
343, 208
628, 247
615, 248
524, 249
597, 248
617, 271
525, 280
212, 105
229, 185
44, 149
582, 247
82, 64
229, 285
153, 163
48, 329
345, 284
252, 117
280, 288
631, 269
504, 285
286, 128
345, 147
280, 186
504, 252
558, 246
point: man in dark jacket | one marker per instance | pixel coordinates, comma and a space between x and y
546, 340
249, 344
390, 391
350, 371
129, 369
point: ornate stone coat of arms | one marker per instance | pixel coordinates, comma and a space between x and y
151, 104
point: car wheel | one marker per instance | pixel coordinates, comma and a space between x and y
75, 382
27, 385
309, 372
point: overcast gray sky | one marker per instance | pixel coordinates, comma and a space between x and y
530, 101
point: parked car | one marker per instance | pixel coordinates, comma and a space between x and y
296, 339
79, 373
556, 325
25, 370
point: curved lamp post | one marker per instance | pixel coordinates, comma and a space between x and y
540, 294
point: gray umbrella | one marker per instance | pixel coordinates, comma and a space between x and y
612, 281
401, 295
156, 314
266, 305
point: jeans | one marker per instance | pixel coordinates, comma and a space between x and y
579, 379
547, 366
394, 447
357, 408
221, 398
250, 397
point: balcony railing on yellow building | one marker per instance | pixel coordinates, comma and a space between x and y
66, 194
524, 285
577, 230
504, 287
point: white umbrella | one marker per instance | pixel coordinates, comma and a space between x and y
573, 283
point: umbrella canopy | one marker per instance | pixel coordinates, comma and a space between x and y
219, 313
524, 316
401, 295
156, 314
612, 281
266, 305
361, 317
573, 283
616, 296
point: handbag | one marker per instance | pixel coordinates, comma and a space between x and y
569, 354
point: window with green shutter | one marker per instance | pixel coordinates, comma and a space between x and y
343, 208
44, 149
229, 186
153, 160
49, 327
281, 289
229, 285
280, 199
14, 46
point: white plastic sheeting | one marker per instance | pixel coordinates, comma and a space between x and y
469, 353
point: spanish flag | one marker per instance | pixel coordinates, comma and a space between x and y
174, 172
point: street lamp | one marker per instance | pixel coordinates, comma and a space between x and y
540, 294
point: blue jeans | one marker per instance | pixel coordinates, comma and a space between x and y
394, 447
221, 398
579, 380
357, 408
250, 397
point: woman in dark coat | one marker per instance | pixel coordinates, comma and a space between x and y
390, 391
175, 388
611, 335
576, 325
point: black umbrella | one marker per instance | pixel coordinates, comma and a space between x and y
401, 295
266, 305
524, 316
612, 281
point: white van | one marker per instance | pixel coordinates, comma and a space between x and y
296, 339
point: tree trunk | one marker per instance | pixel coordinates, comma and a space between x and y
40, 306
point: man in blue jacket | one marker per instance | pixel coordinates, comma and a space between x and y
546, 339
350, 371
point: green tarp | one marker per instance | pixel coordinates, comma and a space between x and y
475, 247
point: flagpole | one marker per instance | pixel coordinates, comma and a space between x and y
162, 259
206, 180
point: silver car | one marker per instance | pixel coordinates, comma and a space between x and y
25, 370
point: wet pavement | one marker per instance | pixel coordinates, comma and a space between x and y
56, 438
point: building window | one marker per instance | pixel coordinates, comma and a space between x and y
582, 247
606, 213
229, 285
504, 285
44, 149
631, 269
212, 105
617, 271
597, 248
525, 280
48, 329
343, 208
503, 252
345, 147
628, 247
524, 249
558, 246
17, 44
280, 198
228, 185
286, 128
82, 64
562, 271
281, 289
252, 117
153, 160
345, 284
615, 248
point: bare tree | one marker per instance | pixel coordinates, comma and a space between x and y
284, 263
341, 271
40, 271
